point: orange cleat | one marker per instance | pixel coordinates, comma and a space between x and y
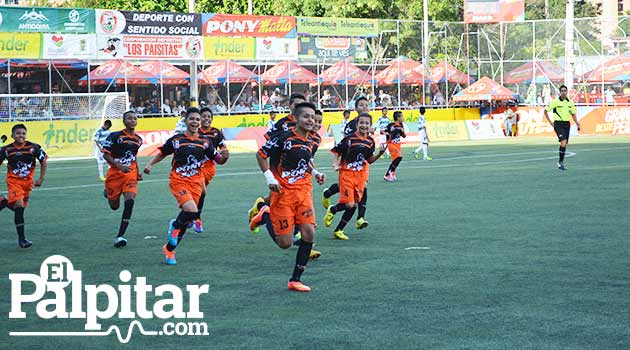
256, 220
298, 286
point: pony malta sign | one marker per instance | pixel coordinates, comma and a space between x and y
214, 24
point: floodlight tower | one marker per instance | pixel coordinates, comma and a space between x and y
569, 34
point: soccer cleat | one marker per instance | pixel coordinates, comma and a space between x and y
561, 166
257, 219
361, 223
120, 242
428, 158
169, 257
105, 194
173, 233
298, 286
394, 176
24, 243
340, 235
315, 254
198, 226
389, 178
190, 224
416, 155
330, 216
101, 178
254, 209
325, 200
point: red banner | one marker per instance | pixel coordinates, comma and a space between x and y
248, 26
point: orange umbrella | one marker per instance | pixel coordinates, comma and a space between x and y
219, 72
615, 69
404, 69
544, 73
443, 72
165, 72
485, 89
288, 72
117, 72
344, 72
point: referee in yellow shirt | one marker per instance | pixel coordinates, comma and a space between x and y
562, 108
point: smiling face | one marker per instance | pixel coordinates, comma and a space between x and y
364, 122
206, 119
363, 106
19, 135
193, 122
305, 120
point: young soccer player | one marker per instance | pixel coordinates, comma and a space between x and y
395, 133
362, 106
563, 108
285, 160
120, 150
262, 217
424, 137
353, 155
185, 180
381, 127
209, 169
21, 156
284, 124
272, 120
99, 138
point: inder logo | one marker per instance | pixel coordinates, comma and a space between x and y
58, 281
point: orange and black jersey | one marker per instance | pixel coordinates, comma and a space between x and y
123, 147
317, 140
355, 150
289, 155
350, 128
282, 125
395, 132
21, 159
189, 154
214, 134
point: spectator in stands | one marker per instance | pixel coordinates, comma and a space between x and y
531, 94
610, 96
221, 109
241, 107
546, 95
385, 98
438, 98
539, 99
166, 107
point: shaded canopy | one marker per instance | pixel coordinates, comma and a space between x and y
165, 73
542, 71
219, 72
485, 89
117, 72
344, 72
288, 72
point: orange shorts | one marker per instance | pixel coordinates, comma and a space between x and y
117, 183
351, 186
289, 208
185, 190
394, 150
208, 170
19, 189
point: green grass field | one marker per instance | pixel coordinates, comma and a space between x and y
517, 255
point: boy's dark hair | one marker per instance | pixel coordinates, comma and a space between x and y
295, 96
302, 105
192, 110
18, 126
206, 109
108, 122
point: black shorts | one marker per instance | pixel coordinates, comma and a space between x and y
562, 129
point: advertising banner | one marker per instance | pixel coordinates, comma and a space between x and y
332, 48
248, 26
276, 49
20, 45
605, 120
69, 46
41, 20
484, 129
222, 48
317, 26
493, 11
147, 23
149, 46
447, 131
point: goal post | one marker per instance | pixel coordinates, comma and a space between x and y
75, 106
